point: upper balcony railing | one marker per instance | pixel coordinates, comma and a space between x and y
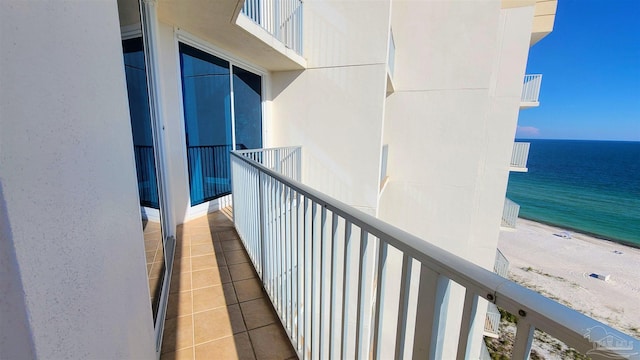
492, 321
510, 214
501, 265
519, 156
332, 271
281, 18
531, 90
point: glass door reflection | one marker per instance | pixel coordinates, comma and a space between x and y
134, 64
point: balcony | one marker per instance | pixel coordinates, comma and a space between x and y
530, 91
347, 285
280, 18
501, 265
519, 157
509, 215
492, 321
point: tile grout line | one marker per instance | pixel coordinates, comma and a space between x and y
244, 321
193, 319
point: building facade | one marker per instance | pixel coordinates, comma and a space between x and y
113, 113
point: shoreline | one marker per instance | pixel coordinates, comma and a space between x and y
582, 232
563, 269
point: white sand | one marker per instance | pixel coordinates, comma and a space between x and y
561, 268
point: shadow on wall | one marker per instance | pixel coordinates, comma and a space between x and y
18, 342
280, 80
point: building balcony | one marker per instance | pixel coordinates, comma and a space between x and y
347, 285
282, 19
519, 157
492, 321
509, 215
501, 265
530, 91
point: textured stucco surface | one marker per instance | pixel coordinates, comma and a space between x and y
69, 185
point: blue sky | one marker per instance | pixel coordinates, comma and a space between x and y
591, 74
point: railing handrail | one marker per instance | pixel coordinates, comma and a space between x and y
245, 151
532, 308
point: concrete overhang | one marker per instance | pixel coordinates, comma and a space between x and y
543, 18
221, 24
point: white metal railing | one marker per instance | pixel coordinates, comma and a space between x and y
392, 53
325, 267
510, 214
501, 265
520, 155
492, 322
531, 88
281, 18
284, 160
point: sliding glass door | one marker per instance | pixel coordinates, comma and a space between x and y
219, 99
140, 122
134, 67
247, 100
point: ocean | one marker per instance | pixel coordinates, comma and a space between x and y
591, 187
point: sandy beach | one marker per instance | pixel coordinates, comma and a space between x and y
560, 268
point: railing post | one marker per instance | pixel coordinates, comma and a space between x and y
262, 224
431, 314
524, 339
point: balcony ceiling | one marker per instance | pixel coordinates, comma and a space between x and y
215, 22
543, 18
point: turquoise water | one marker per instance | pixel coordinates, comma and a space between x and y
587, 186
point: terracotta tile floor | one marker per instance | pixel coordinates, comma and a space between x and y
217, 308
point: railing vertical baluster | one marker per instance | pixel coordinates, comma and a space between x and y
286, 251
314, 269
272, 240
524, 339
308, 231
300, 274
381, 266
261, 210
428, 313
290, 260
280, 248
403, 306
468, 318
344, 335
332, 284
322, 253
362, 261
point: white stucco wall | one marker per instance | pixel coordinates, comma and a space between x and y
334, 108
450, 126
69, 186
